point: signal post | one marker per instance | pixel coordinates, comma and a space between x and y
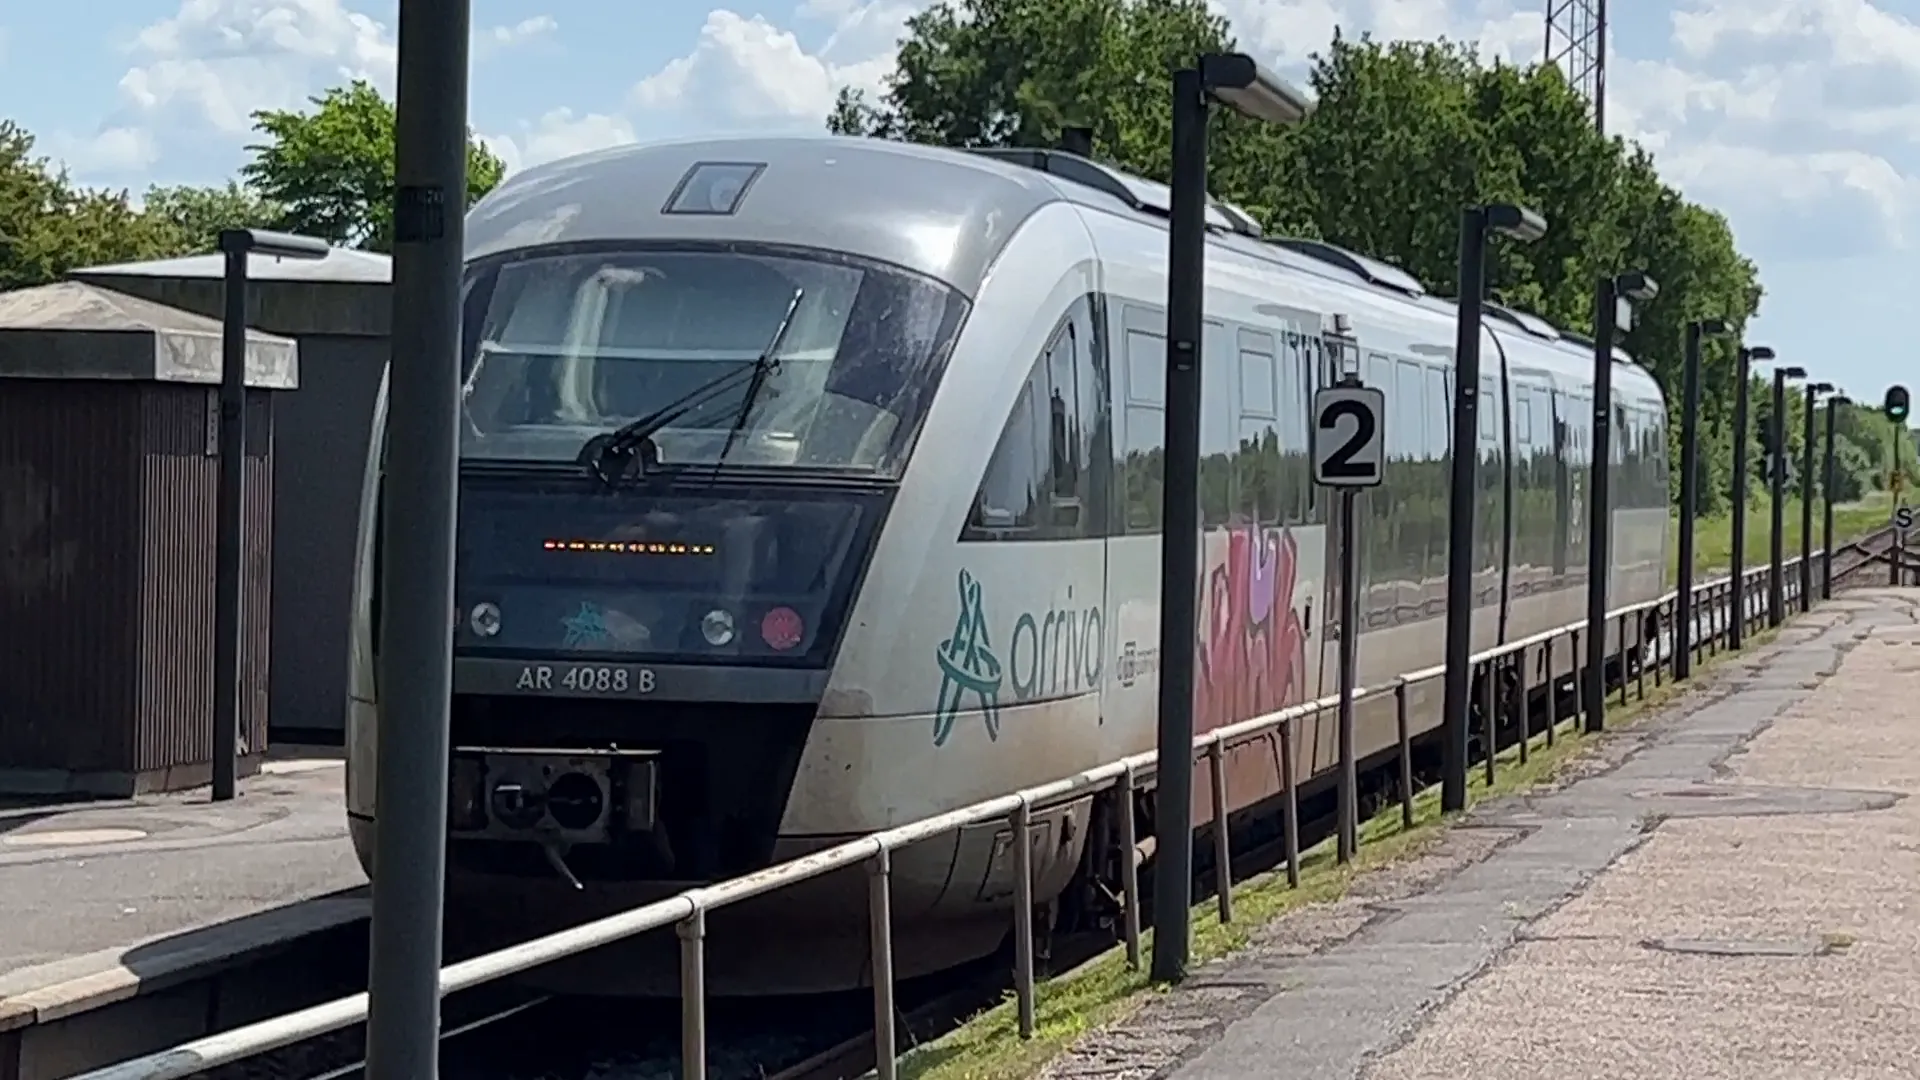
1349, 454
1895, 408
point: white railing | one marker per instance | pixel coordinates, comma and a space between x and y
687, 911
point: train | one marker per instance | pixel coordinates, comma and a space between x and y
812, 485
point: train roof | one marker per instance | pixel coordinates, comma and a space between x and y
941, 212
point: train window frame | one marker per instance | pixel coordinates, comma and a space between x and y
1058, 442
1142, 329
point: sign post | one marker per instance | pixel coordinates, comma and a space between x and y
1349, 453
1903, 517
1895, 407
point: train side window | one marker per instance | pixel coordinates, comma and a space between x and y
1296, 380
1144, 362
1259, 440
1439, 398
1489, 410
1035, 482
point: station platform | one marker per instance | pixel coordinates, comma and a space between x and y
1729, 888
108, 901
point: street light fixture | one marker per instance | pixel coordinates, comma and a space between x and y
1777, 482
1238, 82
1689, 492
1476, 222
1806, 497
229, 604
1613, 304
1737, 584
1826, 489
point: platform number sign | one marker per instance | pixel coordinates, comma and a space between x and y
1349, 436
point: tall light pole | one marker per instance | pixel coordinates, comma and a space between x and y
1737, 584
1813, 391
1826, 490
1241, 84
1777, 482
1689, 494
415, 665
1613, 306
230, 540
1475, 223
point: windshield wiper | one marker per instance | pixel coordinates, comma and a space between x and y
765, 365
610, 455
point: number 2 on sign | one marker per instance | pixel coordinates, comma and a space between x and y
1340, 463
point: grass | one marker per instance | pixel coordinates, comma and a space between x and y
1105, 990
1713, 536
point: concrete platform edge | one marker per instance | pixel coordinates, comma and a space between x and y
64, 988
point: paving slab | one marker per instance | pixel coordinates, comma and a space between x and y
136, 889
1729, 889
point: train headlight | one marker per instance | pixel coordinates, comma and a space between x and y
717, 627
485, 619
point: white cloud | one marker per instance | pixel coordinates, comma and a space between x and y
112, 151
213, 63
488, 42
745, 68
220, 60
559, 134
1799, 118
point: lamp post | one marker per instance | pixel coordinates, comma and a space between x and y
1689, 494
1613, 306
415, 665
1777, 481
229, 559
1241, 84
1826, 489
1806, 496
1475, 223
1737, 584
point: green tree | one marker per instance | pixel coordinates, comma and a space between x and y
198, 214
1403, 136
49, 227
330, 169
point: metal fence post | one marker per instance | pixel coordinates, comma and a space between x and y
1524, 706
1222, 851
1290, 795
1130, 868
1022, 826
1406, 754
693, 994
1553, 690
880, 947
1491, 723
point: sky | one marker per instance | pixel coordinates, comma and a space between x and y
1798, 119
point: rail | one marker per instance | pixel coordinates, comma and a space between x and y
1711, 620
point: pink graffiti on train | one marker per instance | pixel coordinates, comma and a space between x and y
1253, 647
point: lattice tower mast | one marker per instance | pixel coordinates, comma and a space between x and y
1577, 41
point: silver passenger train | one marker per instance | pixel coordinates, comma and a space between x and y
812, 485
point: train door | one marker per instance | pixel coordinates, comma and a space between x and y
1496, 426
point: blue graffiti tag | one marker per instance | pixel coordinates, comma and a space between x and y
588, 626
968, 666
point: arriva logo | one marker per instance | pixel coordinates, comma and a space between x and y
1051, 653
968, 666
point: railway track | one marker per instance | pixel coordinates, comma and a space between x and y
1855, 559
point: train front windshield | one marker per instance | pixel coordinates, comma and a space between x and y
561, 347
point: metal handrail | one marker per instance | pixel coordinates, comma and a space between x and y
687, 911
